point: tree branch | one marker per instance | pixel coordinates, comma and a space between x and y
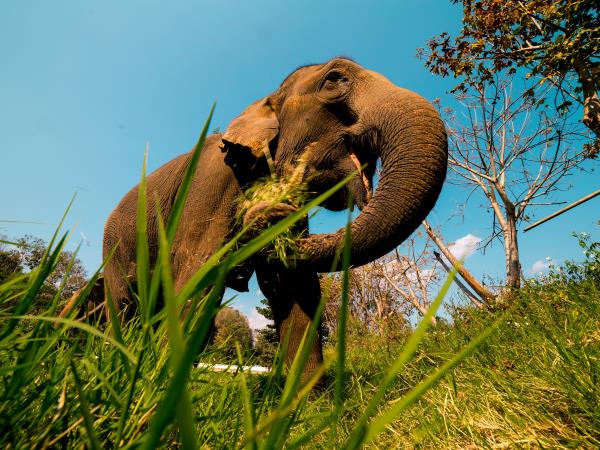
410, 298
460, 268
459, 283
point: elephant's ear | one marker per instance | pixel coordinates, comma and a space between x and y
252, 130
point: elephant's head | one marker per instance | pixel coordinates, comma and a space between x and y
337, 117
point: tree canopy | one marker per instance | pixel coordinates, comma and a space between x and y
27, 254
266, 339
555, 40
232, 328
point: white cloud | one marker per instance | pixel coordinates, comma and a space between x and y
464, 246
541, 265
257, 322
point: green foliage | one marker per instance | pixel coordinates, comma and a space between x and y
19, 260
266, 312
589, 269
266, 339
232, 333
556, 41
545, 36
10, 264
533, 383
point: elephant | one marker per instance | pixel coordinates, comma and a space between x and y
338, 118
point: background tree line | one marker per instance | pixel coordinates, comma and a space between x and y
19, 257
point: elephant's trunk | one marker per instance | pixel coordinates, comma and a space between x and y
411, 142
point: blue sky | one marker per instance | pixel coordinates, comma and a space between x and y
85, 85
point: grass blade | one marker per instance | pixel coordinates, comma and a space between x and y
249, 418
58, 227
84, 327
184, 408
414, 394
104, 381
290, 391
358, 435
282, 413
343, 316
125, 411
88, 420
141, 244
165, 412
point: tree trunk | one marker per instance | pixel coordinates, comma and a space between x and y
511, 252
591, 102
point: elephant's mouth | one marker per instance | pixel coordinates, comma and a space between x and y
363, 175
351, 157
365, 163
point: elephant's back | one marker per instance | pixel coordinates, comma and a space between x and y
162, 186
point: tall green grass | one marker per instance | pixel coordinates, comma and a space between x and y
132, 384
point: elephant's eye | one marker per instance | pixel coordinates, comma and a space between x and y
333, 78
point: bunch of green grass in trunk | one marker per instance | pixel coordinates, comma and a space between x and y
291, 190
66, 383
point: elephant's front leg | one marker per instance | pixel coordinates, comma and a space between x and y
294, 296
184, 268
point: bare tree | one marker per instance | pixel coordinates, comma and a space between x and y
388, 290
413, 274
372, 303
516, 152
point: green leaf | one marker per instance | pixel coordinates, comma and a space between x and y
141, 244
84, 327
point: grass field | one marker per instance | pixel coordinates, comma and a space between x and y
521, 376
532, 383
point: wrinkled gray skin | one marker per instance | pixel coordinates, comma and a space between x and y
324, 113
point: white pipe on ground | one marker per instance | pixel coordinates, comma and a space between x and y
233, 368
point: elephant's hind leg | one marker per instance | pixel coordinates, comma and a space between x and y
116, 285
294, 296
